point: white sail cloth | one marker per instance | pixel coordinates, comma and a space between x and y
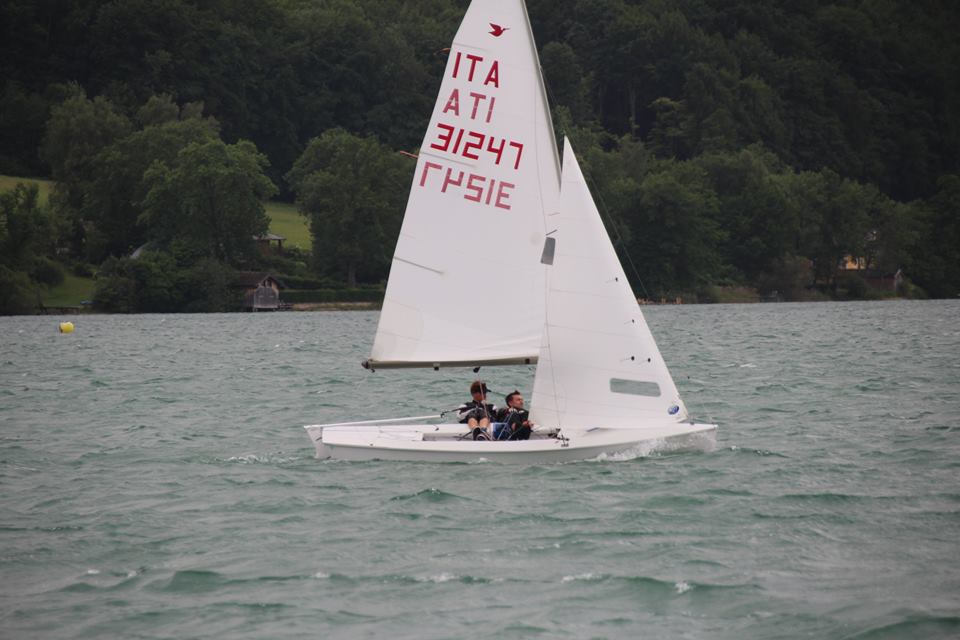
466, 286
599, 365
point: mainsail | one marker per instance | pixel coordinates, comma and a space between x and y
466, 286
599, 365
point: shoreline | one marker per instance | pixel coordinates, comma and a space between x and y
335, 306
375, 306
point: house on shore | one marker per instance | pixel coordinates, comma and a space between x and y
875, 278
270, 244
261, 291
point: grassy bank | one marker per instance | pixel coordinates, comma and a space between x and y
284, 218
70, 292
8, 183
286, 221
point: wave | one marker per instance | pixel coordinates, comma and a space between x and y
654, 586
94, 580
399, 578
917, 626
828, 497
253, 458
194, 581
757, 452
832, 518
431, 495
697, 442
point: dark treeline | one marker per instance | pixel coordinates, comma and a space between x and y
730, 142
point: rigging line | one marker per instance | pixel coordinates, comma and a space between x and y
611, 224
596, 191
551, 98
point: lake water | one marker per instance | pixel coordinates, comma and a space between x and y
157, 483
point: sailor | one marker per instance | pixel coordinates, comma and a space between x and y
477, 413
513, 421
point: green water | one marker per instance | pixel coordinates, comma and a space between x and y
155, 482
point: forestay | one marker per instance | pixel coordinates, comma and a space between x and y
599, 365
466, 286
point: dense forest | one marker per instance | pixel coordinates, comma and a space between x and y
730, 143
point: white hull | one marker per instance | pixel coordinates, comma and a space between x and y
442, 443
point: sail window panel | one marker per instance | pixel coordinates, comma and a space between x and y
635, 387
571, 399
549, 248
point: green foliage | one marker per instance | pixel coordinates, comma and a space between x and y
210, 198
569, 87
853, 286
935, 261
207, 288
47, 272
155, 283
77, 131
730, 142
333, 295
295, 282
69, 293
23, 116
352, 189
286, 221
787, 278
9, 183
24, 226
677, 236
753, 208
115, 290
114, 197
18, 294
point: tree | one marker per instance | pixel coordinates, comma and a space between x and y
115, 290
835, 216
207, 288
867, 91
568, 86
935, 263
154, 282
23, 116
753, 209
676, 234
18, 295
25, 229
77, 131
210, 198
352, 189
24, 234
114, 198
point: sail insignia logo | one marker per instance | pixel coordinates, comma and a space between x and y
497, 30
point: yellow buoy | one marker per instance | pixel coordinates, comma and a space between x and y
66, 327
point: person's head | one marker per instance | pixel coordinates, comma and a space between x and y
478, 390
515, 400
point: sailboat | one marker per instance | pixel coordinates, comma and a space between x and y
503, 259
